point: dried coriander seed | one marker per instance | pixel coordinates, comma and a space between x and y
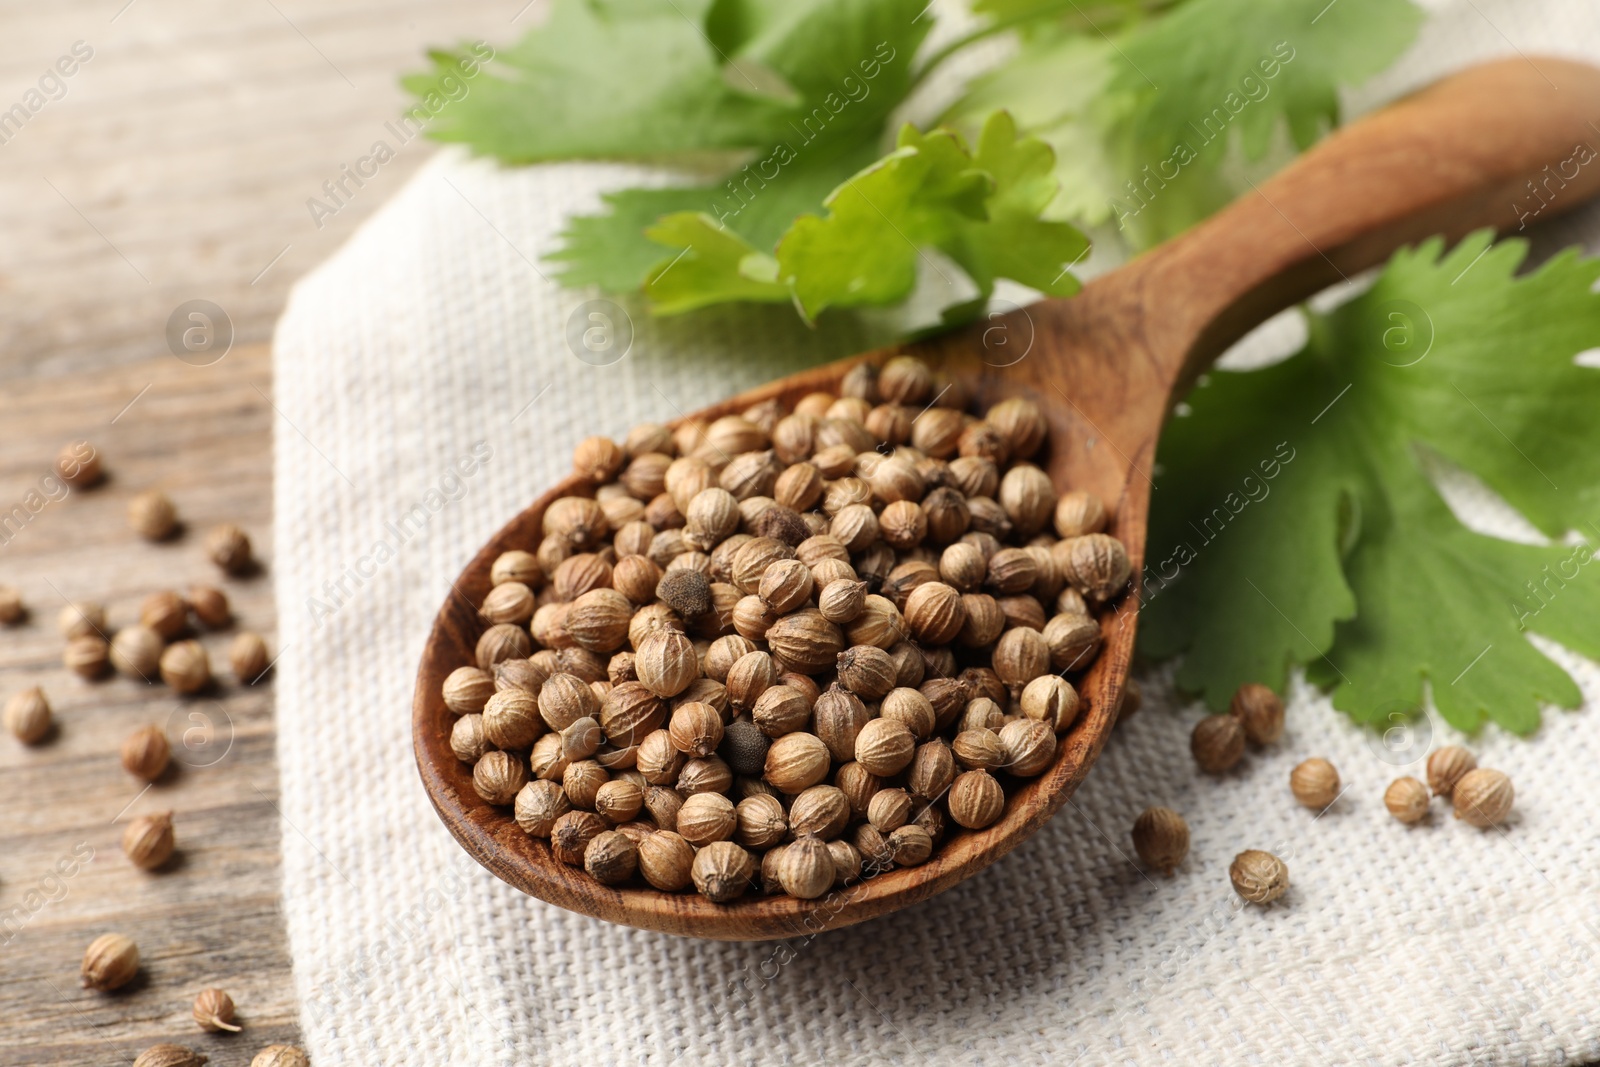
82, 618
166, 613
229, 548
1407, 800
109, 963
467, 689
666, 861
185, 666
148, 840
1315, 783
467, 740
210, 605
213, 1010
498, 777
722, 871
1217, 743
806, 869
27, 715
11, 607
1482, 797
1078, 513
86, 657
1161, 837
280, 1056
1446, 766
152, 515
537, 807
1259, 877
248, 657
975, 799
1260, 711
517, 566
611, 858
146, 753
165, 1055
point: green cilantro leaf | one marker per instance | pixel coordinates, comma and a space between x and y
980, 209
602, 78
715, 266
1142, 122
1295, 520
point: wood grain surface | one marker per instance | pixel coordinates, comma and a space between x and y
210, 917
175, 165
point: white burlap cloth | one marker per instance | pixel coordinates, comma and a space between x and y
427, 392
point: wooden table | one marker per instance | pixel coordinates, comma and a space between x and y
176, 165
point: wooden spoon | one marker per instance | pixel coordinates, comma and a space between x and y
1107, 366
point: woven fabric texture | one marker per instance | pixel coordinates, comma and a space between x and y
428, 391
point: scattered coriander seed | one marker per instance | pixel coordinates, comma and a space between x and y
152, 515
1446, 766
229, 548
78, 464
1161, 837
186, 667
165, 1055
1407, 800
148, 840
27, 715
213, 1010
109, 963
11, 606
87, 657
82, 618
1217, 743
135, 652
1260, 711
145, 753
210, 605
1482, 797
280, 1056
1259, 877
166, 613
247, 655
1315, 783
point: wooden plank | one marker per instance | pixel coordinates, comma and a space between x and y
211, 917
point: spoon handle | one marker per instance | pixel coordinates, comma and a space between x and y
1500, 145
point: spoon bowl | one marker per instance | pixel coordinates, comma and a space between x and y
1106, 367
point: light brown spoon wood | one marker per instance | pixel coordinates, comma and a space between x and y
1107, 366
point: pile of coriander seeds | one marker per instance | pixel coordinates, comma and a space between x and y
788, 650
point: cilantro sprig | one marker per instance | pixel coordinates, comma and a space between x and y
1296, 521
793, 106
